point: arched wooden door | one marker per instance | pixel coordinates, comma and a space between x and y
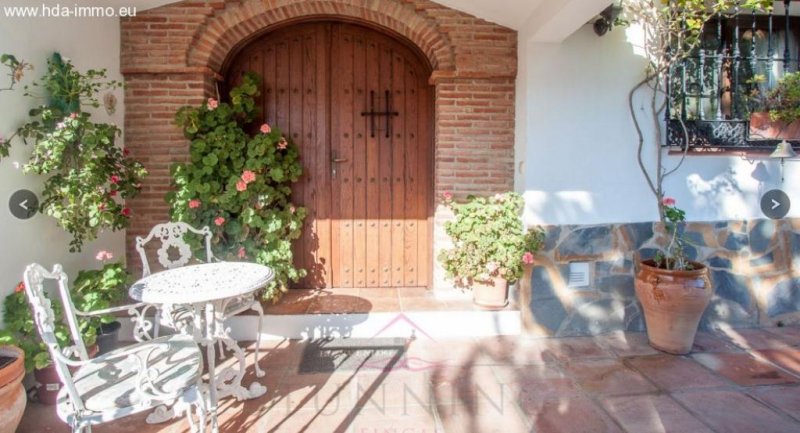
358, 104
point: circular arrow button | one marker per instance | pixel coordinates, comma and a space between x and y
775, 204
23, 204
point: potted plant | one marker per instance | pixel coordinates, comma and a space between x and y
491, 245
100, 289
672, 32
673, 290
12, 393
776, 115
21, 329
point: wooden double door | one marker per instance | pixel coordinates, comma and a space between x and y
358, 104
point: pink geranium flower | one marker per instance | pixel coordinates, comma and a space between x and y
194, 204
527, 258
241, 186
73, 116
283, 144
242, 253
212, 104
668, 201
114, 179
104, 255
292, 209
265, 129
219, 221
20, 287
126, 212
248, 176
447, 195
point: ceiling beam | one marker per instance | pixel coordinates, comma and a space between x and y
554, 21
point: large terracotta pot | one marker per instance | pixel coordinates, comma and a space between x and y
490, 295
673, 302
12, 393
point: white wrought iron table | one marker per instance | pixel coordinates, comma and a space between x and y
204, 291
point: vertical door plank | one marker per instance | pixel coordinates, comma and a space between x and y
294, 126
282, 90
336, 92
359, 162
411, 222
385, 158
322, 201
344, 175
399, 148
256, 66
270, 75
373, 169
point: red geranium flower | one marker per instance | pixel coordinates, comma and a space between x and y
126, 212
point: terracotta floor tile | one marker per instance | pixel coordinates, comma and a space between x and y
788, 358
789, 334
574, 348
755, 339
712, 342
785, 398
378, 292
627, 344
652, 414
735, 412
608, 377
422, 303
744, 369
575, 415
671, 372
339, 303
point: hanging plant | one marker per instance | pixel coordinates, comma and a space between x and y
87, 175
239, 184
16, 70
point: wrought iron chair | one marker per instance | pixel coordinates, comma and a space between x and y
171, 235
120, 383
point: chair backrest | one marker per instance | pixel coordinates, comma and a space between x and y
171, 235
45, 319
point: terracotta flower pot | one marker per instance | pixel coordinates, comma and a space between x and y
12, 394
490, 295
763, 127
673, 302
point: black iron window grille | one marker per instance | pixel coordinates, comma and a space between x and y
720, 92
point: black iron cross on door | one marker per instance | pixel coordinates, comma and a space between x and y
386, 112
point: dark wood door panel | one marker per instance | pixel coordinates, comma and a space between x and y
367, 181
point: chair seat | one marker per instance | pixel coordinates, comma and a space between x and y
109, 385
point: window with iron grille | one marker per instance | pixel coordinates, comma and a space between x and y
723, 92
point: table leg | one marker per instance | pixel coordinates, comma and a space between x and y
210, 343
229, 381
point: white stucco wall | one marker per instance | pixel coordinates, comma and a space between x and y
577, 145
89, 43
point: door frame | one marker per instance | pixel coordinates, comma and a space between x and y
222, 91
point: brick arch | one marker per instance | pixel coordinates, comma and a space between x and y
219, 37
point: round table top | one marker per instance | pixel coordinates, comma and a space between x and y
200, 283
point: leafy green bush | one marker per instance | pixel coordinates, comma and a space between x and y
784, 100
99, 289
239, 184
86, 172
20, 329
489, 239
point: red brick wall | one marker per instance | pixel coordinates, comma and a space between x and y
172, 56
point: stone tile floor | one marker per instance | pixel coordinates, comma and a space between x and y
741, 381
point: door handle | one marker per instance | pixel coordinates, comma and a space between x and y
334, 161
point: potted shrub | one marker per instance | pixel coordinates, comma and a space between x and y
673, 290
100, 289
491, 245
21, 329
780, 118
12, 393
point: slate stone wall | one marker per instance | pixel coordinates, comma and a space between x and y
754, 266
